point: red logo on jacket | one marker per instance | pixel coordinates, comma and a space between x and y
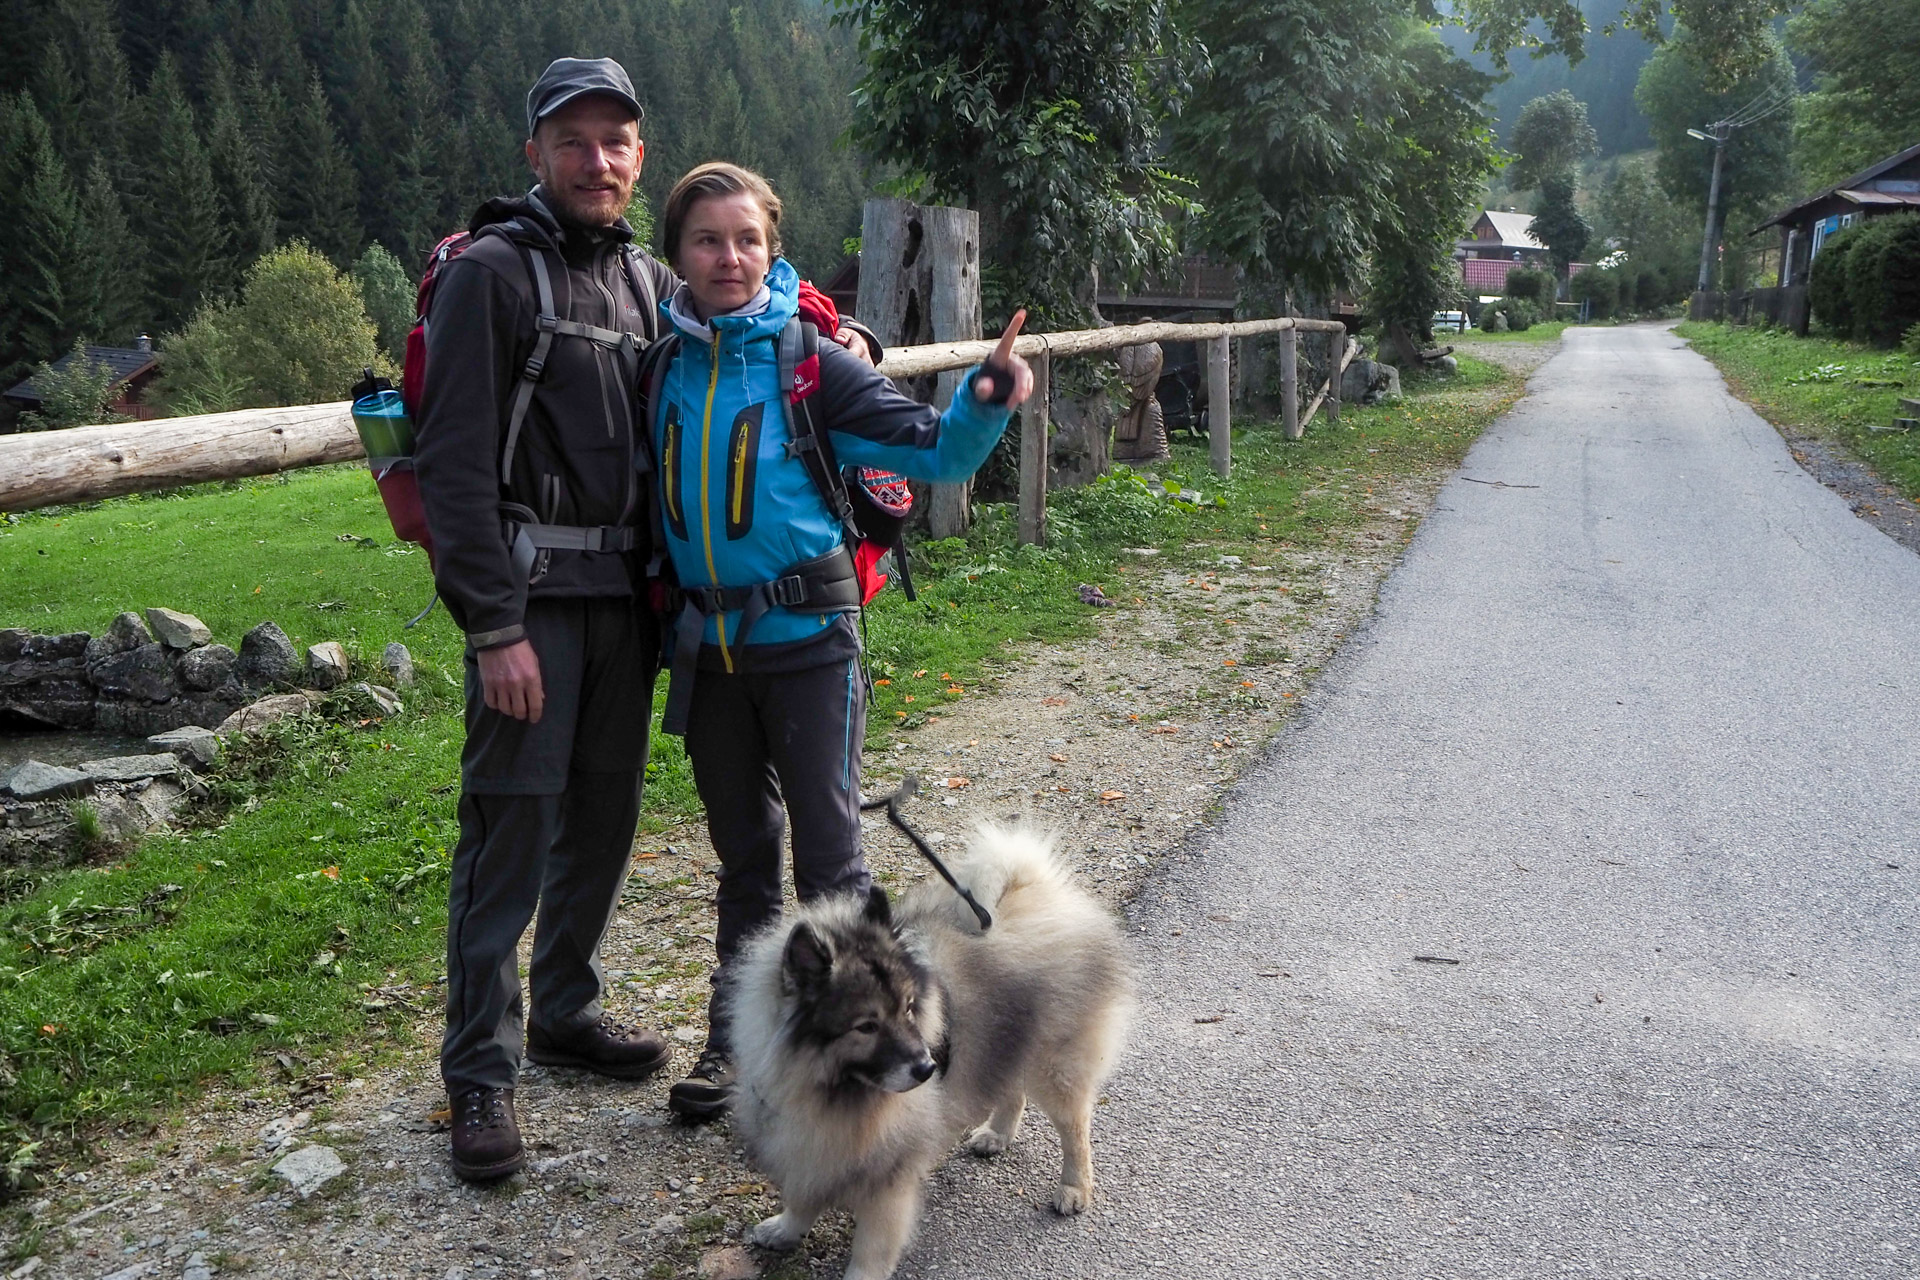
806, 377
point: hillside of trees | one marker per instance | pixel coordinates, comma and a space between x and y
155, 150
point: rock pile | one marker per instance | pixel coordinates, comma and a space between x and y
162, 678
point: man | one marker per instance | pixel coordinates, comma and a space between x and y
526, 458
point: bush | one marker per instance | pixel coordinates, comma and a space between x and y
1883, 278
389, 296
1827, 293
76, 396
1518, 313
1601, 288
1537, 287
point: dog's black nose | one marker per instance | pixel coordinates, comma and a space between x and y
923, 1070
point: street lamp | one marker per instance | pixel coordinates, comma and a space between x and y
1718, 138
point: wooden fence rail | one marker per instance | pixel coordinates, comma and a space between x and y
41, 469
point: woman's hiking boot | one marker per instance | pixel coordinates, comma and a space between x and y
607, 1047
486, 1137
703, 1094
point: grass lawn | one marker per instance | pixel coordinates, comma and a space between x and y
1545, 331
282, 928
1820, 387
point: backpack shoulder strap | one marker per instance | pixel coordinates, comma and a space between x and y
545, 322
642, 285
799, 380
650, 382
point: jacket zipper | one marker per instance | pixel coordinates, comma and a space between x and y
706, 492
600, 357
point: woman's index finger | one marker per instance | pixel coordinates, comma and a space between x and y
1004, 352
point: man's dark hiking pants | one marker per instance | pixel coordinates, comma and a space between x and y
547, 817
766, 748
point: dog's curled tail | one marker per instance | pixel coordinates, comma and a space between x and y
1002, 862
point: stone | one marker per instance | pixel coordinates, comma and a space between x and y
37, 780
310, 1168
728, 1262
398, 664
1446, 365
144, 719
327, 665
132, 768
208, 667
198, 1268
54, 695
193, 742
138, 1271
385, 699
258, 715
13, 642
267, 657
178, 630
127, 633
158, 802
17, 644
142, 673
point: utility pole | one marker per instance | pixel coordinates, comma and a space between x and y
1718, 138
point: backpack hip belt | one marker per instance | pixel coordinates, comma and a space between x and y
825, 584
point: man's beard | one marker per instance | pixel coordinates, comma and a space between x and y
573, 208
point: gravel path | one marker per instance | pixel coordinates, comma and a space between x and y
1571, 932
1124, 743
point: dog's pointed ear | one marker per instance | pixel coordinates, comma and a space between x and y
809, 959
879, 910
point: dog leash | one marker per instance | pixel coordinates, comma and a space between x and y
891, 803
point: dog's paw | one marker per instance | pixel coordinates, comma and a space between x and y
984, 1141
775, 1233
1071, 1200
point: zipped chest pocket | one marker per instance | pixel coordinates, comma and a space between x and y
672, 472
743, 453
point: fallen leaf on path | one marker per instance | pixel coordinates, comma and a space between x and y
1053, 702
1108, 797
1165, 728
1212, 1017
956, 783
921, 673
1057, 758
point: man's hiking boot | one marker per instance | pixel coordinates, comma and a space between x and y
608, 1047
703, 1094
486, 1137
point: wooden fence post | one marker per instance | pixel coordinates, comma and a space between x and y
1336, 362
920, 283
1219, 406
1034, 422
1290, 382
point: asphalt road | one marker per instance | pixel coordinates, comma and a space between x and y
1636, 740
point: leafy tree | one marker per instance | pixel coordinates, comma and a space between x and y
1559, 224
180, 218
1737, 43
75, 395
299, 335
1289, 134
1640, 219
1552, 137
1674, 92
389, 297
1044, 118
1445, 150
1865, 102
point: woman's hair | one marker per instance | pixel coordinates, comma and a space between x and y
717, 178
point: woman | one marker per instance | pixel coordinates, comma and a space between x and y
765, 654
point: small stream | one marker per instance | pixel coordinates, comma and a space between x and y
64, 746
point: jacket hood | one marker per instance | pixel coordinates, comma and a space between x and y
783, 303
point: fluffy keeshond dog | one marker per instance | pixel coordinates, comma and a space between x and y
868, 1039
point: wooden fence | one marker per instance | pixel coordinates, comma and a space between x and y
81, 464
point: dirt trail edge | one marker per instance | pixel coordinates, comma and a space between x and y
1120, 744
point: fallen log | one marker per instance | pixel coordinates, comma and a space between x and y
47, 468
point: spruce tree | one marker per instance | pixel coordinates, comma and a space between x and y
180, 217
107, 279
88, 34
246, 206
264, 118
42, 233
319, 195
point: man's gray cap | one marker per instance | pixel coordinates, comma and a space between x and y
568, 78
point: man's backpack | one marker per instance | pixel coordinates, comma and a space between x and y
870, 504
385, 420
